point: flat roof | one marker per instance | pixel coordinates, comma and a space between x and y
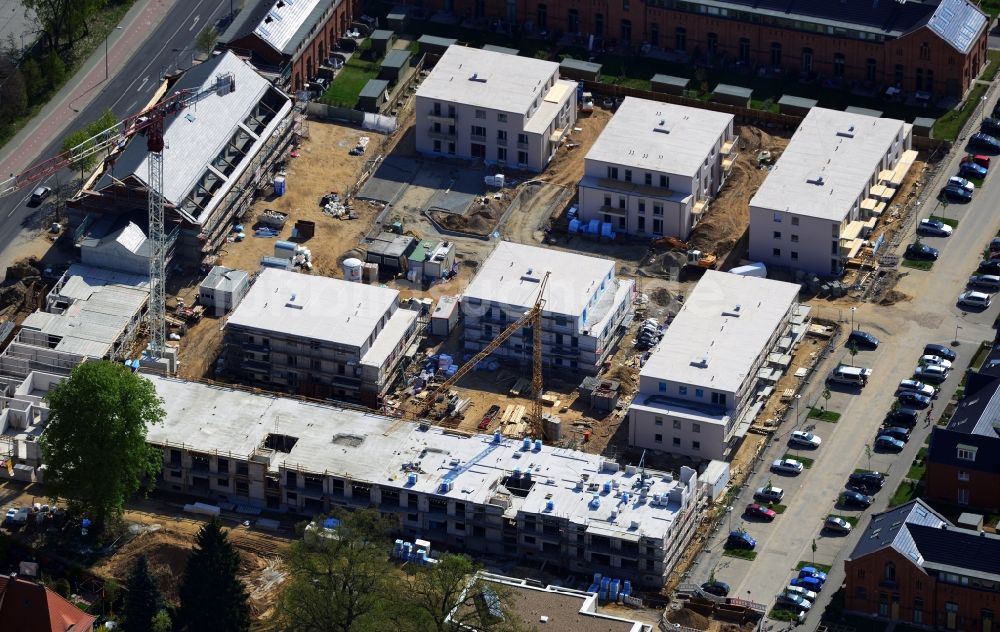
853, 109
501, 49
579, 64
223, 278
396, 58
798, 102
374, 89
313, 307
734, 91
512, 273
843, 149
387, 340
434, 40
671, 80
630, 137
382, 34
390, 244
103, 304
482, 78
368, 447
725, 321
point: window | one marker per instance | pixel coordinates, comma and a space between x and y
807, 60
696, 445
889, 572
664, 182
502, 154
963, 497
777, 217
663, 387
658, 421
649, 179
963, 476
626, 27
871, 69
642, 208
696, 428
966, 453
658, 438
683, 390
776, 54
680, 38
745, 50
522, 138
699, 392
712, 43
478, 131
628, 175
480, 114
612, 173
677, 424
918, 610
925, 51
861, 592
657, 210
795, 221
522, 157
501, 117
777, 234
839, 63
776, 252
898, 76
795, 239
607, 199
502, 135
677, 442
795, 255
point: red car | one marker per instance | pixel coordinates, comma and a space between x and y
759, 511
979, 159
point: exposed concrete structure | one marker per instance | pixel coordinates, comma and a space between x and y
585, 308
502, 109
821, 200
655, 167
318, 336
223, 289
709, 376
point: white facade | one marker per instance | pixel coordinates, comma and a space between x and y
655, 167
824, 194
585, 305
502, 109
319, 336
698, 392
223, 289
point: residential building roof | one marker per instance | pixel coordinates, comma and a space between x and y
511, 275
721, 330
919, 533
370, 448
979, 411
828, 164
482, 78
223, 279
283, 25
313, 307
26, 606
660, 137
194, 139
945, 444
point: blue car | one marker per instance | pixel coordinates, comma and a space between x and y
812, 571
909, 399
809, 583
971, 170
885, 442
740, 540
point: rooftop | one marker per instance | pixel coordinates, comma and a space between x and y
721, 330
282, 25
27, 606
223, 278
482, 78
396, 58
313, 307
660, 136
924, 536
367, 447
828, 164
512, 273
374, 89
101, 305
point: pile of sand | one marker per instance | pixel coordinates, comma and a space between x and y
689, 618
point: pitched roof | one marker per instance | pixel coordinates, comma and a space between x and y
921, 534
281, 24
979, 411
29, 607
943, 450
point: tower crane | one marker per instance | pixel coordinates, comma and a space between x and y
532, 317
115, 137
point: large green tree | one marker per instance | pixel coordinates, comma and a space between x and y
213, 599
62, 19
83, 139
343, 583
143, 599
94, 446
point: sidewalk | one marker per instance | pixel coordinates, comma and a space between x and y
55, 119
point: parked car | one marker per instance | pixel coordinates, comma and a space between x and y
740, 540
801, 592
935, 360
812, 571
985, 142
887, 443
902, 416
940, 351
957, 194
851, 375
868, 482
921, 252
980, 159
769, 494
39, 195
9, 516
979, 300
754, 510
787, 466
987, 282
931, 373
896, 432
962, 182
972, 170
804, 439
852, 498
990, 125
989, 266
836, 524
862, 339
935, 227
809, 583
717, 588
914, 400
916, 386
794, 602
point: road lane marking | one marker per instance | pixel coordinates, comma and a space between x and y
194, 23
144, 80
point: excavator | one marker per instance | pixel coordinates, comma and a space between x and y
695, 258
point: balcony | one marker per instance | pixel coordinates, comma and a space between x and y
478, 138
442, 134
699, 207
728, 147
445, 118
521, 145
501, 142
614, 210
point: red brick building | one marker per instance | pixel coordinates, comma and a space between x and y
290, 39
932, 46
963, 459
26, 606
913, 566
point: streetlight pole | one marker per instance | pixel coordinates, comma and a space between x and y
955, 342
106, 37
853, 309
797, 398
729, 510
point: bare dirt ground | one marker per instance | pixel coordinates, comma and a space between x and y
566, 168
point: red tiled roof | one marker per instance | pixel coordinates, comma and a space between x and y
29, 607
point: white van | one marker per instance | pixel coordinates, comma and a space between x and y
850, 375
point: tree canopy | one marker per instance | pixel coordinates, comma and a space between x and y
62, 19
81, 137
143, 599
94, 446
213, 599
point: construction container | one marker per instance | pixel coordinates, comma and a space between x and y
353, 269
445, 316
304, 229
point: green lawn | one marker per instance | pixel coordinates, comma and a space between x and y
825, 568
346, 87
907, 491
981, 353
991, 69
917, 264
916, 471
852, 520
742, 554
782, 614
946, 220
949, 125
824, 415
806, 461
778, 509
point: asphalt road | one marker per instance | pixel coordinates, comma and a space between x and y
930, 315
166, 47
